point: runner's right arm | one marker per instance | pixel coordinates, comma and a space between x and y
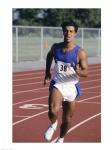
49, 59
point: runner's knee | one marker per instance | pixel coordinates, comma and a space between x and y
67, 118
54, 108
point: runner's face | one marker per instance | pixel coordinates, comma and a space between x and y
69, 33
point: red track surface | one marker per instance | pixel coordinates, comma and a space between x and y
30, 108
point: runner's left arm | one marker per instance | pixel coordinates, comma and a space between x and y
82, 68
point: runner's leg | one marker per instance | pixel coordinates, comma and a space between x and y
55, 100
68, 111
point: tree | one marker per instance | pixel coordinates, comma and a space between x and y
54, 17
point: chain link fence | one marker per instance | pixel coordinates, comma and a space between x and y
32, 43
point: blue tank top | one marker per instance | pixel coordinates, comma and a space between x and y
63, 69
68, 57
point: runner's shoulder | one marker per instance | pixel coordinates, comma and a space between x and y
57, 45
82, 53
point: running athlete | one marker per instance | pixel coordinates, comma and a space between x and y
70, 64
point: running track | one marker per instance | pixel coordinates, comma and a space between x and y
30, 108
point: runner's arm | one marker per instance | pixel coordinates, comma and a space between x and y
82, 68
49, 59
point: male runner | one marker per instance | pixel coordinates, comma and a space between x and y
70, 64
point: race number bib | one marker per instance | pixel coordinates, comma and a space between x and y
64, 68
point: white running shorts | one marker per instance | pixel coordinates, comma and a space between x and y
68, 90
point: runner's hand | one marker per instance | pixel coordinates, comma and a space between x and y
47, 77
78, 69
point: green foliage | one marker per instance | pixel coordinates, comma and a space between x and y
54, 17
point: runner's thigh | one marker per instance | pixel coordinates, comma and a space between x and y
55, 98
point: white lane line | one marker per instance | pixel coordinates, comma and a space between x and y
34, 99
32, 83
47, 110
44, 88
42, 77
29, 78
17, 122
31, 90
42, 72
20, 116
91, 88
79, 124
91, 103
79, 101
29, 83
84, 121
29, 73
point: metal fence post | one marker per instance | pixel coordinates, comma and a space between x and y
99, 42
82, 39
17, 59
41, 43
